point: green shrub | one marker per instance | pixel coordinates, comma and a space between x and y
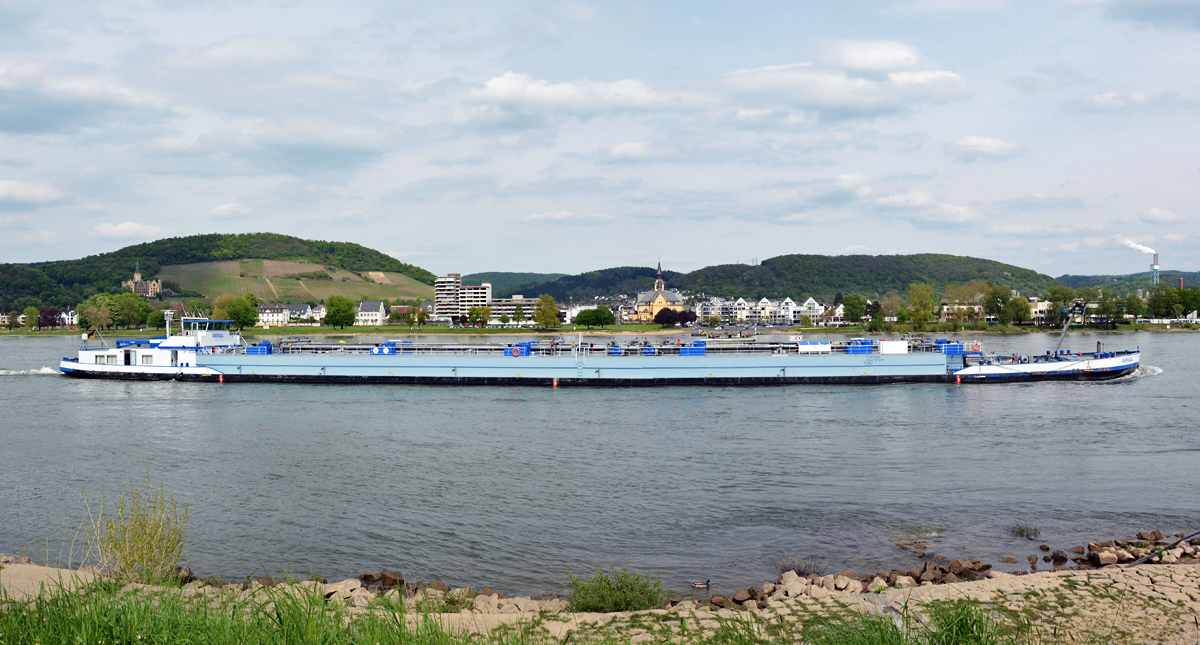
1022, 529
959, 623
615, 591
142, 538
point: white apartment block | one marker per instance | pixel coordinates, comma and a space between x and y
468, 297
273, 313
370, 314
445, 298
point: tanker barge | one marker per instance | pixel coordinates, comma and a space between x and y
209, 351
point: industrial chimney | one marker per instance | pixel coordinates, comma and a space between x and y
1154, 268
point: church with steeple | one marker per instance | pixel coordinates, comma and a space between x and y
143, 288
649, 303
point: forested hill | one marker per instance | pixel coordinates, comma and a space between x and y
1132, 281
585, 286
68, 280
798, 277
503, 280
822, 276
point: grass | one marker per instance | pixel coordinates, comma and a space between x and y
1024, 530
802, 567
615, 590
949, 623
142, 537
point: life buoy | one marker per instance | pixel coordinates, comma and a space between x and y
976, 346
516, 351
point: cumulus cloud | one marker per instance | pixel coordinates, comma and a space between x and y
567, 217
1160, 216
1160, 13
968, 149
230, 211
906, 201
512, 88
240, 52
877, 77
1116, 100
20, 192
127, 230
870, 55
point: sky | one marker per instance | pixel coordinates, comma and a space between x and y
1056, 135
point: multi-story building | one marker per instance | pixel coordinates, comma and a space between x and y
143, 288
273, 313
469, 297
445, 296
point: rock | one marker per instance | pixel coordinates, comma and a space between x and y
488, 591
1008, 560
840, 582
266, 581
1093, 547
1156, 535
318, 579
184, 574
1032, 560
877, 585
931, 573
958, 566
768, 588
815, 591
1046, 558
796, 588
1103, 558
1144, 535
1044, 547
717, 601
788, 576
853, 575
439, 585
756, 593
895, 573
1058, 558
742, 596
828, 582
1076, 549
388, 580
999, 574
1124, 556
369, 577
904, 582
951, 578
854, 586
1169, 558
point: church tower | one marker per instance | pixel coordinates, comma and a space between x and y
658, 281
137, 272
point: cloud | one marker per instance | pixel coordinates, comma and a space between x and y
22, 193
470, 157
230, 211
240, 52
127, 230
1175, 238
856, 248
567, 217
855, 79
1160, 13
906, 201
1159, 216
870, 55
1116, 100
968, 149
1020, 229
1050, 78
582, 96
629, 150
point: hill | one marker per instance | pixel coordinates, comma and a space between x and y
60, 283
1132, 281
822, 276
503, 280
585, 286
798, 277
278, 281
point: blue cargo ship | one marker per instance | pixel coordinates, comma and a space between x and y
208, 351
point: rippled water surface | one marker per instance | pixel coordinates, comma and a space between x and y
509, 487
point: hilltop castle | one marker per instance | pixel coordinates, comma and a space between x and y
141, 287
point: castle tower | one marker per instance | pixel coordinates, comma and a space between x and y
137, 272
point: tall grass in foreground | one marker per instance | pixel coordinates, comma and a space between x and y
615, 590
141, 538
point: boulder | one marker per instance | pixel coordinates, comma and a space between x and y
1008, 560
958, 566
904, 582
717, 601
439, 585
1156, 535
877, 585
1044, 547
369, 577
742, 596
797, 588
853, 586
848, 574
930, 573
1076, 549
1169, 558
1046, 558
788, 576
768, 588
1145, 535
1032, 560
266, 581
1058, 558
1103, 558
756, 593
950, 578
895, 573
840, 582
389, 580
829, 583
1124, 556
815, 591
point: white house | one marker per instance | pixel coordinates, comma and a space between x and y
272, 313
318, 313
370, 313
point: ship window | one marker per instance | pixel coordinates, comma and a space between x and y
147, 359
99, 360
112, 360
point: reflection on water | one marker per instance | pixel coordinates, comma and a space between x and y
509, 487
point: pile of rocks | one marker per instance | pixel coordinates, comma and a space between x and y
791, 585
1121, 551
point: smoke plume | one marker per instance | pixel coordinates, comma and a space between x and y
1130, 244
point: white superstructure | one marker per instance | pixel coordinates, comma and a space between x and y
156, 358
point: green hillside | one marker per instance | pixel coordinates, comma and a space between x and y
822, 276
798, 277
291, 282
61, 283
1132, 281
585, 286
505, 280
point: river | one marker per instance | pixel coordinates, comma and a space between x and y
510, 487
